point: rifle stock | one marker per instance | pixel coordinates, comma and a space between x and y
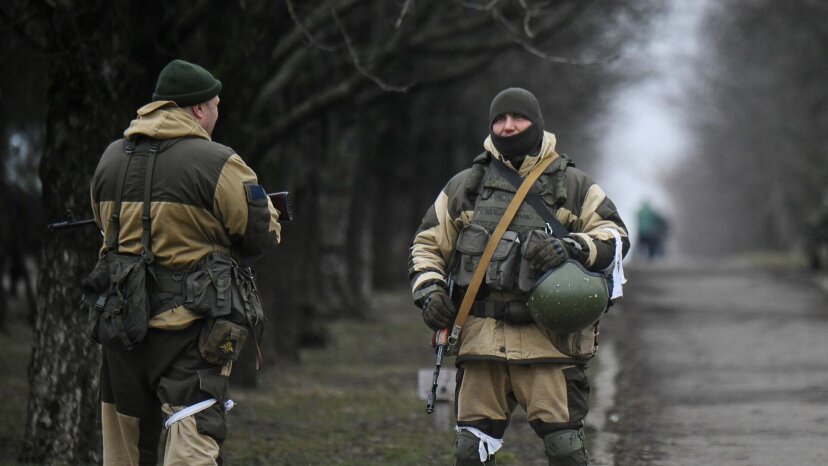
280, 201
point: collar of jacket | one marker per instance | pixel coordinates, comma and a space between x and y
163, 119
547, 150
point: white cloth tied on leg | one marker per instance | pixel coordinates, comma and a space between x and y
196, 408
487, 446
617, 266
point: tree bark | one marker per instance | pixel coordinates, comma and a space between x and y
88, 75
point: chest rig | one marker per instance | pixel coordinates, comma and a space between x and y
508, 277
494, 193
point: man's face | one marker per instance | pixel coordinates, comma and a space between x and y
510, 124
210, 112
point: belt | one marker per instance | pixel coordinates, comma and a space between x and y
168, 281
168, 289
515, 312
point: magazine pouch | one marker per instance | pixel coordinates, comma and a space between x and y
218, 287
115, 294
471, 242
502, 270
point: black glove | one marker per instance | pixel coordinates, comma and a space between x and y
438, 310
548, 253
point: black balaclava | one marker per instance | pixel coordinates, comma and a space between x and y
527, 142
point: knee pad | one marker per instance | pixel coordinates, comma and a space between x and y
466, 447
566, 448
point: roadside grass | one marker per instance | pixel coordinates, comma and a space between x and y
352, 403
355, 402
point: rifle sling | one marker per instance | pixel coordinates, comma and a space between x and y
500, 229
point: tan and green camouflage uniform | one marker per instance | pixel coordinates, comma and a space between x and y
198, 205
499, 362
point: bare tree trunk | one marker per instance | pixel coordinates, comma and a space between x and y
63, 372
88, 75
342, 200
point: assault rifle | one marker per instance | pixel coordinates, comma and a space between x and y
280, 201
440, 343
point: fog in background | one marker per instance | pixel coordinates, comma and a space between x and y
645, 128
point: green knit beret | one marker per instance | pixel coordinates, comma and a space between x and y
185, 84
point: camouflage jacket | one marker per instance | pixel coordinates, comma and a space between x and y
585, 211
198, 202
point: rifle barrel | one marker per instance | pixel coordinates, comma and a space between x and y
280, 201
66, 224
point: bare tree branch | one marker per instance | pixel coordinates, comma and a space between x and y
541, 54
297, 114
312, 21
405, 8
357, 64
475, 6
309, 35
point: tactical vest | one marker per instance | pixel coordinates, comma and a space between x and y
507, 271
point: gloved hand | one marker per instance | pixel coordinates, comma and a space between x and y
438, 310
548, 253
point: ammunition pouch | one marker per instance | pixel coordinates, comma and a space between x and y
501, 272
217, 287
116, 296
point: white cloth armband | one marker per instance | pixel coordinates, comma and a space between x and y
196, 408
617, 266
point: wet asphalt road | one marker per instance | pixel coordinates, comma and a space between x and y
719, 366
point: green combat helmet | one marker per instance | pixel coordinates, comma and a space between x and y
568, 298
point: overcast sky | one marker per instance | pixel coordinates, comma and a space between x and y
645, 133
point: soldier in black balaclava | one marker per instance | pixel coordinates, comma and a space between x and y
516, 114
503, 355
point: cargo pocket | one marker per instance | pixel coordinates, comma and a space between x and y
528, 275
502, 270
221, 341
470, 245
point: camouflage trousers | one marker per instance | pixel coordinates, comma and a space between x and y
554, 396
141, 387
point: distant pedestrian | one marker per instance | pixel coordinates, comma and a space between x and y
652, 231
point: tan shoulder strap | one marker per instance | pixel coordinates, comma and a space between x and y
500, 229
